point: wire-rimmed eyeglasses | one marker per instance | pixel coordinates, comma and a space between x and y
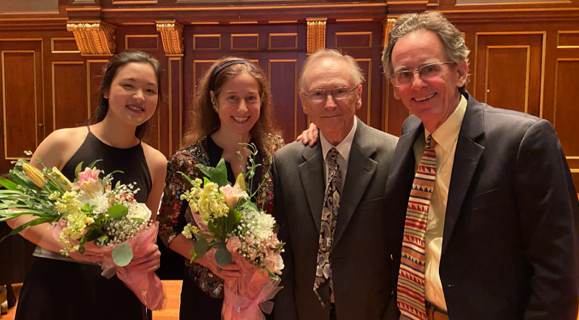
319, 95
405, 77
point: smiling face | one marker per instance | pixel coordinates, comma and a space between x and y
435, 99
133, 94
238, 104
334, 118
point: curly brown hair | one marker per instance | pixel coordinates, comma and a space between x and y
204, 120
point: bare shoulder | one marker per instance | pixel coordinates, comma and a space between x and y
155, 159
60, 145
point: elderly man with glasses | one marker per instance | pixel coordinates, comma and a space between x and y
329, 204
491, 213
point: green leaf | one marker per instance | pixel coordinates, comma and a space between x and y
118, 212
8, 184
201, 247
91, 234
77, 170
219, 245
138, 219
223, 257
207, 171
20, 178
28, 224
91, 165
249, 206
233, 218
186, 177
101, 241
219, 175
122, 255
86, 207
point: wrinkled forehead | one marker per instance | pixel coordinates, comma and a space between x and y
327, 72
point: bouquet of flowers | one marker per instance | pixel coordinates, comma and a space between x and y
103, 222
230, 223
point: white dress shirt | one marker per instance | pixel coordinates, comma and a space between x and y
343, 148
446, 137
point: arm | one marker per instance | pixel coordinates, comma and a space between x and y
284, 305
157, 164
547, 204
51, 152
170, 211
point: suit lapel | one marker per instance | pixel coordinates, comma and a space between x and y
312, 177
361, 169
467, 155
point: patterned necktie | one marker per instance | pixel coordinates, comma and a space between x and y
411, 300
323, 287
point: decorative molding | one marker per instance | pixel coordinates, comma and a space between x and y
172, 36
316, 34
94, 37
388, 24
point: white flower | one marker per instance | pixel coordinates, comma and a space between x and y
139, 210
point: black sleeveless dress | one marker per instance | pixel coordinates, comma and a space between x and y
66, 290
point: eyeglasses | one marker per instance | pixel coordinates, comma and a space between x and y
319, 95
428, 71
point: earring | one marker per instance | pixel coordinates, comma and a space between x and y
215, 108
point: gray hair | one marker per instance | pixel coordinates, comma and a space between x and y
355, 70
435, 22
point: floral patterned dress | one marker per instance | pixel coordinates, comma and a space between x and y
202, 291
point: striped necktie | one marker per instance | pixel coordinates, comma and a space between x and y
323, 287
411, 299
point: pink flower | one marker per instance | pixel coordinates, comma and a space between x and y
89, 181
233, 244
231, 195
248, 240
274, 263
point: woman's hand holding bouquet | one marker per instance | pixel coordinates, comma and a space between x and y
96, 222
231, 230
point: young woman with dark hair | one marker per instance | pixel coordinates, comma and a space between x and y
61, 288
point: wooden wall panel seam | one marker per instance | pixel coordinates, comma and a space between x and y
353, 33
296, 89
566, 32
206, 36
54, 87
54, 51
129, 36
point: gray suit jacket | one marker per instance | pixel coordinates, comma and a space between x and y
363, 272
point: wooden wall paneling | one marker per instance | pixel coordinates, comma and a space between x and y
175, 95
63, 45
21, 98
284, 87
565, 108
283, 41
94, 77
568, 39
69, 91
509, 70
363, 41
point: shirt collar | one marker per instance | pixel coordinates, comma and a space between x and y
447, 133
344, 146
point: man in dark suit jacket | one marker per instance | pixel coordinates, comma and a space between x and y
362, 271
503, 244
